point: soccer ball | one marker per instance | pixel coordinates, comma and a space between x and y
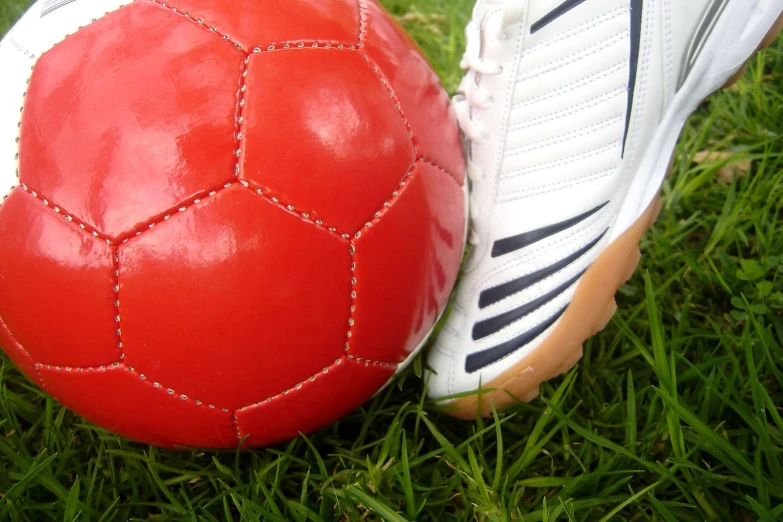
222, 220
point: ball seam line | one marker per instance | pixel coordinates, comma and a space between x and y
180, 208
342, 360
409, 176
363, 21
275, 46
307, 217
239, 117
352, 295
116, 289
24, 352
376, 69
22, 49
121, 365
199, 21
425, 159
67, 216
237, 430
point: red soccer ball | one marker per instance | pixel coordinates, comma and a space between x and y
222, 220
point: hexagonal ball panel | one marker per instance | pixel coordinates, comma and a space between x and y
56, 285
323, 134
129, 116
251, 23
406, 266
234, 300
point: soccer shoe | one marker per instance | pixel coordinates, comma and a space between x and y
572, 110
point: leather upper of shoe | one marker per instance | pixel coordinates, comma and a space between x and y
545, 108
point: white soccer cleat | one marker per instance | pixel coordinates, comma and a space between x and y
572, 110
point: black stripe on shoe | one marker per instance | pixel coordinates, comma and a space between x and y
637, 8
493, 325
554, 14
480, 360
512, 244
498, 293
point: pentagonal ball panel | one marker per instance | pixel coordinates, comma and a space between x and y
252, 23
323, 134
234, 299
56, 285
406, 266
131, 115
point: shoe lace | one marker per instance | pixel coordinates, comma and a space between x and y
471, 95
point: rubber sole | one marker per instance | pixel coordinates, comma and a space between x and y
590, 311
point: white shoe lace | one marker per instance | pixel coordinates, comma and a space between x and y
471, 95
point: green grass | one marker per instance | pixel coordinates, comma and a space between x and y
673, 415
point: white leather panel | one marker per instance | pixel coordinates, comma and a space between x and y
48, 22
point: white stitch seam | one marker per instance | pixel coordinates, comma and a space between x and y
385, 83
571, 86
567, 160
581, 28
22, 49
553, 187
115, 253
87, 229
574, 57
304, 216
564, 137
239, 117
575, 109
25, 353
199, 22
363, 21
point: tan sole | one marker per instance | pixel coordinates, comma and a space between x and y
590, 311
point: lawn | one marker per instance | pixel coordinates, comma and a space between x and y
673, 415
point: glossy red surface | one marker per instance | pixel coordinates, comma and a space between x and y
121, 402
129, 116
408, 260
248, 299
169, 262
329, 396
17, 353
260, 23
419, 91
351, 147
55, 285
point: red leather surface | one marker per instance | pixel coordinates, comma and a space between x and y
324, 134
418, 90
419, 240
55, 285
119, 401
129, 116
234, 300
317, 403
17, 353
253, 22
193, 215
